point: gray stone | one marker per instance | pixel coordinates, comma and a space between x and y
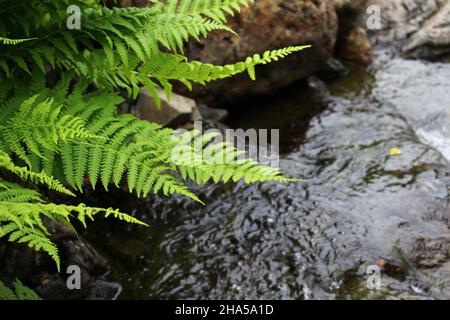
419, 28
212, 114
176, 111
433, 39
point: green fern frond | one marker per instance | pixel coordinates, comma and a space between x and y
201, 160
175, 67
12, 192
20, 292
67, 134
213, 9
22, 222
36, 177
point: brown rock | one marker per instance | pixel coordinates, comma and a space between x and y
353, 44
266, 25
430, 253
356, 47
350, 13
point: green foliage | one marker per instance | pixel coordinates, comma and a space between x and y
59, 126
20, 292
12, 41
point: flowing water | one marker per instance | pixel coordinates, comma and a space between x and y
358, 206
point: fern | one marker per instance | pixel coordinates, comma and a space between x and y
26, 174
12, 41
20, 292
22, 211
61, 134
129, 41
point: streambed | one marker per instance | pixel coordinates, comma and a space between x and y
358, 205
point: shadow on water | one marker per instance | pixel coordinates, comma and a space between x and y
288, 110
359, 206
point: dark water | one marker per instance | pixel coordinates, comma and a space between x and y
313, 239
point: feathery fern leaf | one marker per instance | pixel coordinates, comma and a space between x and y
66, 132
20, 292
36, 177
22, 209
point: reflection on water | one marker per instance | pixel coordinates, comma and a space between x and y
314, 239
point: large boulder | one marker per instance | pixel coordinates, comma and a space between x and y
420, 28
266, 25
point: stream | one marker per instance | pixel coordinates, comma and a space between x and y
357, 206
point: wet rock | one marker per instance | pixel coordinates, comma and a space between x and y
140, 3
54, 287
419, 28
104, 290
353, 44
80, 253
356, 47
318, 85
19, 261
124, 108
266, 25
173, 112
433, 39
350, 13
212, 114
60, 231
333, 69
38, 270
